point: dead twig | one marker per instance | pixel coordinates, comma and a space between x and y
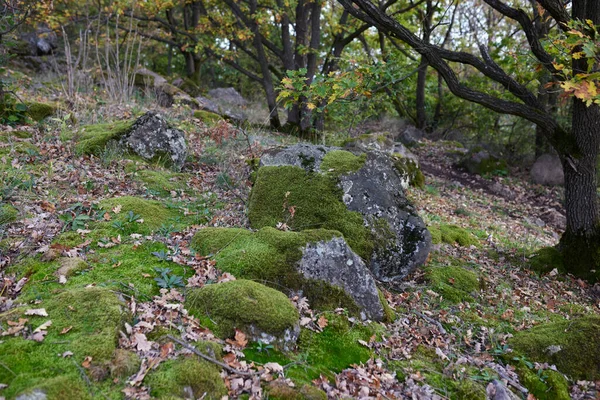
208, 358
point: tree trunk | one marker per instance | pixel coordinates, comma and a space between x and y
421, 81
580, 243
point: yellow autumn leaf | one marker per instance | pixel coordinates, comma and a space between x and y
311, 106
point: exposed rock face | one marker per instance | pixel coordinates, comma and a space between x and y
376, 191
225, 112
410, 136
151, 137
335, 263
399, 239
548, 171
166, 94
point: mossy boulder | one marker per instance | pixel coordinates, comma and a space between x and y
261, 312
544, 384
185, 377
94, 138
39, 111
8, 214
207, 117
572, 345
317, 262
452, 234
482, 162
359, 195
410, 171
455, 284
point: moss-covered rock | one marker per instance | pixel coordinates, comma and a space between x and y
184, 377
410, 171
271, 256
480, 161
546, 259
572, 345
39, 111
248, 306
93, 138
452, 234
91, 319
455, 284
278, 188
151, 214
8, 214
341, 162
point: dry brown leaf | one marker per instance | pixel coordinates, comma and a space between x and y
322, 322
41, 312
87, 362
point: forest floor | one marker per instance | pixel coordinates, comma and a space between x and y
443, 335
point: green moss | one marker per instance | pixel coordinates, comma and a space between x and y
452, 234
152, 212
278, 390
8, 214
546, 259
94, 138
21, 134
94, 316
207, 117
162, 181
545, 385
410, 171
269, 204
341, 162
69, 239
334, 349
269, 255
39, 111
172, 378
455, 284
255, 305
576, 342
388, 312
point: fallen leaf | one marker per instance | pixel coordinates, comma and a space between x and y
142, 343
67, 354
43, 326
87, 362
322, 322
66, 330
39, 336
41, 312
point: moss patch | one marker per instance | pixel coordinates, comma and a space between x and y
452, 234
455, 284
254, 304
572, 345
545, 385
207, 117
162, 181
270, 202
94, 138
153, 213
546, 259
8, 214
95, 316
341, 162
177, 377
39, 111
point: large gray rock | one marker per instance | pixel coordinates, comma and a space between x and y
151, 137
335, 263
166, 93
480, 161
399, 236
548, 171
410, 136
228, 96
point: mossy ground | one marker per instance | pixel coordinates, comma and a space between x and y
576, 342
163, 181
278, 188
269, 256
8, 214
453, 383
172, 377
452, 234
207, 117
455, 284
95, 316
546, 259
93, 138
544, 384
255, 304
